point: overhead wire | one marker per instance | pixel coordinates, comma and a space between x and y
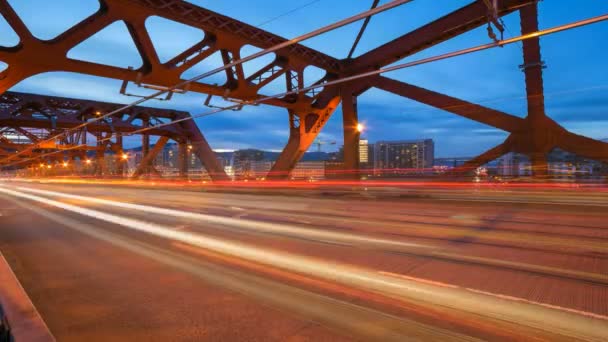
287, 13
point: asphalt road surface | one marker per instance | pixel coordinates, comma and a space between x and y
109, 263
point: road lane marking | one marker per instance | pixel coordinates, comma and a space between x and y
535, 316
497, 295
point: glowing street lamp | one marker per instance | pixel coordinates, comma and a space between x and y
360, 127
88, 161
124, 156
65, 164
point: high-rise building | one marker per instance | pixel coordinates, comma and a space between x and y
363, 151
404, 155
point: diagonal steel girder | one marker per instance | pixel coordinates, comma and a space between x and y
447, 27
222, 34
472, 111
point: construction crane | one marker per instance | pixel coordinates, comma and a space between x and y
321, 142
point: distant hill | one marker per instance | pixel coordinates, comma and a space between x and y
268, 155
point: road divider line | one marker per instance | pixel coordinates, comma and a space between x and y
497, 295
538, 317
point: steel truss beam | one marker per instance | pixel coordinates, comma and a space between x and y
472, 111
50, 114
535, 135
445, 28
539, 134
222, 34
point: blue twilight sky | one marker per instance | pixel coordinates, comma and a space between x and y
576, 78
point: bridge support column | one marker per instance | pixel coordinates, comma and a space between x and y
533, 70
303, 129
350, 123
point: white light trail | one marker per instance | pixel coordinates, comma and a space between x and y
526, 314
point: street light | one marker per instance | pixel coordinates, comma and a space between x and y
65, 164
88, 161
124, 156
360, 127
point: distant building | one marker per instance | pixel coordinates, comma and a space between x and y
309, 170
404, 155
363, 151
260, 168
334, 169
560, 164
513, 165
450, 162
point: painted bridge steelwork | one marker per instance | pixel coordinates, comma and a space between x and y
37, 117
534, 135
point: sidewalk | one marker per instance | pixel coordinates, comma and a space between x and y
23, 319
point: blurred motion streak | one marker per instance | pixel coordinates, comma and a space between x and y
538, 317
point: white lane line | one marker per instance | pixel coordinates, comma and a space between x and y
497, 295
268, 227
598, 203
499, 309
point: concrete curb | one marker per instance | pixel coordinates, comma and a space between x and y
25, 322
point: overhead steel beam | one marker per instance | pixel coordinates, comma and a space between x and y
486, 157
217, 24
221, 33
584, 146
472, 111
449, 26
70, 113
